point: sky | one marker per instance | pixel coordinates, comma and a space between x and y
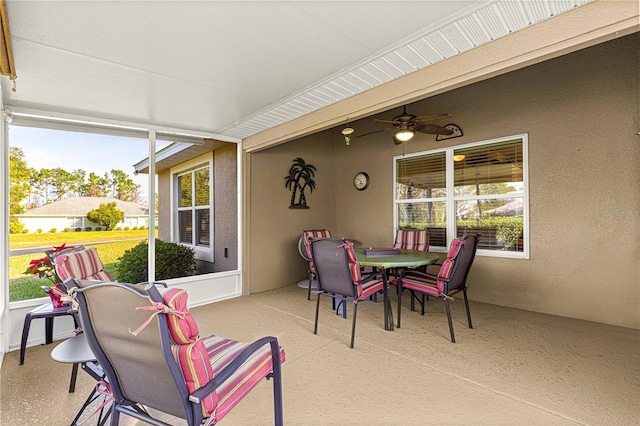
45, 148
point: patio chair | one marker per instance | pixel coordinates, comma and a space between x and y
450, 279
305, 252
162, 363
410, 239
48, 311
339, 276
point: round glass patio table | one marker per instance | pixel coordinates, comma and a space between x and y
406, 259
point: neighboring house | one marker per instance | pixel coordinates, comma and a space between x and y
72, 213
197, 201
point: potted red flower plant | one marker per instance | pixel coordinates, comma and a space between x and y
43, 268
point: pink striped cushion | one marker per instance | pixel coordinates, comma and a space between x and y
323, 233
422, 284
221, 352
81, 265
193, 360
354, 268
412, 240
367, 289
183, 330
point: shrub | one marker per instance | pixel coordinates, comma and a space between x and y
126, 228
16, 227
66, 230
172, 261
135, 228
142, 228
98, 229
39, 230
78, 229
88, 229
53, 230
25, 231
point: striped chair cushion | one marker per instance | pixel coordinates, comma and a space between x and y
221, 352
322, 233
370, 287
354, 268
183, 330
84, 264
412, 240
430, 285
193, 360
201, 359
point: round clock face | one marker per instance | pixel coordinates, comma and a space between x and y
361, 181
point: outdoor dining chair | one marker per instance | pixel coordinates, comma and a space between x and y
150, 349
307, 234
450, 279
410, 239
74, 262
339, 276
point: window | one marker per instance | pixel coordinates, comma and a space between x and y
74, 222
469, 189
193, 211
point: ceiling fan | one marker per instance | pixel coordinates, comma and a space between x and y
405, 125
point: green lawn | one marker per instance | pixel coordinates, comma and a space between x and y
22, 286
48, 239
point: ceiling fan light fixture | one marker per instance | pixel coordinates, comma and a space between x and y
459, 157
346, 132
404, 135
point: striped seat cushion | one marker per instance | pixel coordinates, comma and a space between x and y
201, 359
221, 352
83, 264
367, 289
306, 235
432, 286
183, 328
409, 239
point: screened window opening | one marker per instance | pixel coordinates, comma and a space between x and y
472, 189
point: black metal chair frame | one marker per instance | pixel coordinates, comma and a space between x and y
447, 293
334, 295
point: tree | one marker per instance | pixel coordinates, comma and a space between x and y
123, 187
107, 215
95, 187
19, 175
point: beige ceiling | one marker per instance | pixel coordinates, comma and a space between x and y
236, 68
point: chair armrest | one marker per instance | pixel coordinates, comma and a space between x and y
226, 372
371, 277
415, 272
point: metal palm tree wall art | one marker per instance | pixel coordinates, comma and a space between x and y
300, 177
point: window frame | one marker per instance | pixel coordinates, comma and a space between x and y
201, 252
450, 199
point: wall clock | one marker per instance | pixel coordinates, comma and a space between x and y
361, 181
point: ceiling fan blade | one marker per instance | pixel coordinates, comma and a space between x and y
433, 129
371, 133
394, 122
431, 118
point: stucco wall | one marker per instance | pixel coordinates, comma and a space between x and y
225, 209
581, 114
274, 227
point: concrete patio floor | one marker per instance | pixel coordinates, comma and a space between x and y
513, 367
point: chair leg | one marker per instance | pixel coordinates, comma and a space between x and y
74, 375
422, 303
25, 336
413, 301
400, 303
277, 384
115, 415
310, 281
466, 304
315, 327
446, 304
353, 326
